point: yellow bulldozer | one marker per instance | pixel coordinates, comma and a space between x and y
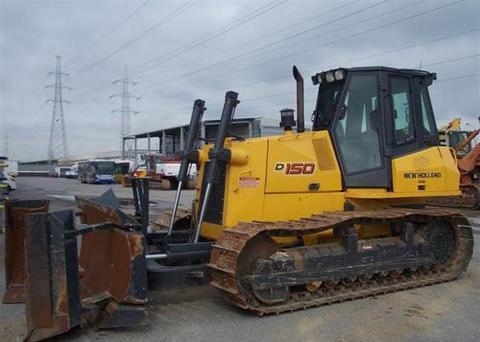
285, 222
309, 218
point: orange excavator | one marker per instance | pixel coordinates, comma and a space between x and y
468, 162
469, 167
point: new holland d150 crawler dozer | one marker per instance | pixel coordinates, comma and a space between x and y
336, 213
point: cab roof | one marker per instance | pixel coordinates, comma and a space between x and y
407, 72
414, 72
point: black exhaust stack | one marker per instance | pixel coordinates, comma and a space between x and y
300, 100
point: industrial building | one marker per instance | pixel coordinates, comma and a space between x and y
171, 140
168, 141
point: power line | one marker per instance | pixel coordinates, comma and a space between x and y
250, 108
343, 38
212, 35
303, 21
239, 57
426, 65
458, 77
250, 42
298, 34
366, 57
248, 99
283, 57
356, 59
453, 60
112, 30
388, 51
166, 19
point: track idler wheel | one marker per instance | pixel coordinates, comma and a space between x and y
272, 295
255, 259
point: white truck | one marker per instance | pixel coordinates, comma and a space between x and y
72, 173
8, 171
11, 168
164, 169
60, 171
169, 170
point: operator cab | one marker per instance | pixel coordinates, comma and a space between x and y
374, 114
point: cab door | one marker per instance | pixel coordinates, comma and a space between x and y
418, 165
359, 134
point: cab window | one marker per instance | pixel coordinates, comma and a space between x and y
358, 125
404, 131
428, 121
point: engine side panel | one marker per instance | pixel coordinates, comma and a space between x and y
302, 163
245, 184
430, 170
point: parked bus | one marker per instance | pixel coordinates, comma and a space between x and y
96, 171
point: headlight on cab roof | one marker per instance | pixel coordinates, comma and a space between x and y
339, 75
329, 76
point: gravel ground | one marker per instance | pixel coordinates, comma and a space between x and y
444, 312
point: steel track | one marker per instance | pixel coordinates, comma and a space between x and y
227, 252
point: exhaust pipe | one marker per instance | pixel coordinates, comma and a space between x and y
300, 100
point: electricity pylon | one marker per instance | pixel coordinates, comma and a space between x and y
57, 144
125, 109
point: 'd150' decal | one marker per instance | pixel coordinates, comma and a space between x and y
297, 168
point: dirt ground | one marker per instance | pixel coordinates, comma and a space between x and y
444, 312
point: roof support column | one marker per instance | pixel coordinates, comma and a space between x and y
148, 143
135, 153
164, 142
182, 139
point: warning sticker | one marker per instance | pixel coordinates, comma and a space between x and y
249, 182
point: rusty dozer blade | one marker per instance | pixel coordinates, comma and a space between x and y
120, 250
52, 296
15, 213
112, 261
101, 288
102, 209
